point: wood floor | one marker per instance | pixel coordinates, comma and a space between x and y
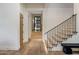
34, 47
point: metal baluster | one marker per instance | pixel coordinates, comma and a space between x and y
48, 37
56, 36
72, 29
67, 27
52, 38
72, 25
47, 40
75, 23
66, 24
62, 30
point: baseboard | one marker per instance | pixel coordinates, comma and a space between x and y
55, 49
11, 48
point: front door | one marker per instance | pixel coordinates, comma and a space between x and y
36, 23
36, 26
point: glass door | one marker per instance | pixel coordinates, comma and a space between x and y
36, 24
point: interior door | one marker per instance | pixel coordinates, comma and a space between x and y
21, 32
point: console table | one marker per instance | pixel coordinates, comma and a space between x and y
67, 47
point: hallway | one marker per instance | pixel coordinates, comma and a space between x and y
36, 45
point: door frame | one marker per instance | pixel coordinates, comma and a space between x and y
21, 32
30, 18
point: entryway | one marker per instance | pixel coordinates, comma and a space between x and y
36, 32
35, 45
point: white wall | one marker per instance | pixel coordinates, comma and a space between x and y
9, 26
55, 14
76, 11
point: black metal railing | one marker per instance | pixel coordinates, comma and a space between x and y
61, 32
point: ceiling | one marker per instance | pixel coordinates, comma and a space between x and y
33, 5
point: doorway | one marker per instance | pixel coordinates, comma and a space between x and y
36, 26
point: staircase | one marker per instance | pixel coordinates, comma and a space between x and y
61, 32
